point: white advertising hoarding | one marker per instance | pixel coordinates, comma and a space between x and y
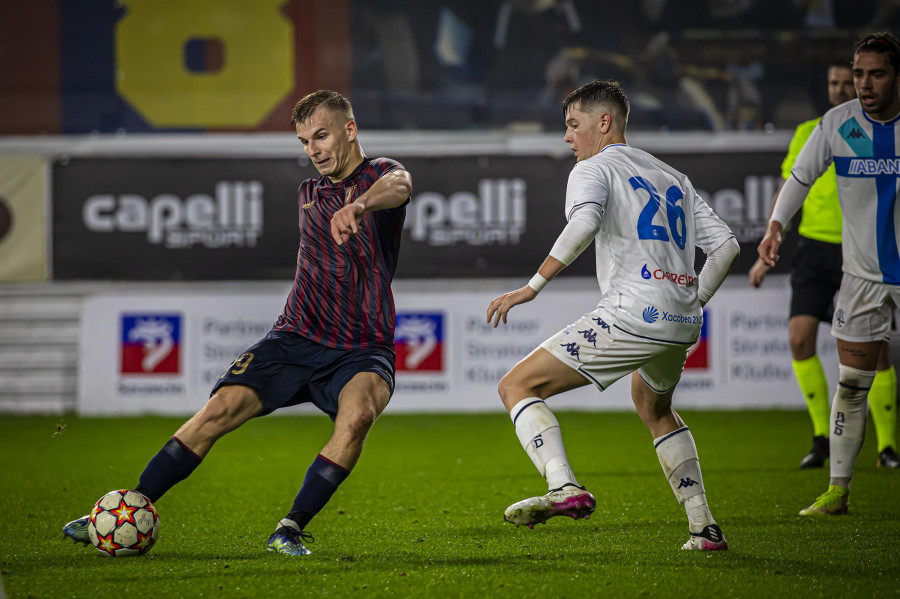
162, 353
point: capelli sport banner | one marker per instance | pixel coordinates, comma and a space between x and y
234, 219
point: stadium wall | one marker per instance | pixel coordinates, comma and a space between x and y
486, 206
221, 207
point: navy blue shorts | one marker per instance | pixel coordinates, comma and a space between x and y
286, 369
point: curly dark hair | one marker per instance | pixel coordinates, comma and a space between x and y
881, 42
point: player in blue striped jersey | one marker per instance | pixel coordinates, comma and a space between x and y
333, 345
645, 219
862, 138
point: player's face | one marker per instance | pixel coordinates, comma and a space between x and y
582, 132
327, 139
876, 85
840, 85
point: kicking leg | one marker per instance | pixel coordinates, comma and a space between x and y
678, 456
523, 390
228, 408
360, 403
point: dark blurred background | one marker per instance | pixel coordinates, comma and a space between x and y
79, 66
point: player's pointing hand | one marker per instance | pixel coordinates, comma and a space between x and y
345, 222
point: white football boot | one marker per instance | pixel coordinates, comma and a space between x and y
709, 539
569, 500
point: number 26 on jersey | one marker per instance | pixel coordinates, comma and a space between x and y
674, 214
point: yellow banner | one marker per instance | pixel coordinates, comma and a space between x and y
23, 219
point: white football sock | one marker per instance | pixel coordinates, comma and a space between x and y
681, 465
288, 522
848, 419
541, 438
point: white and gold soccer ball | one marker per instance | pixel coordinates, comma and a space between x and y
123, 523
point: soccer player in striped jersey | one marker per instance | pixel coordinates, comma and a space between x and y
815, 280
645, 219
333, 345
862, 139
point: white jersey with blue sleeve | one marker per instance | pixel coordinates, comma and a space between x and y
651, 221
867, 164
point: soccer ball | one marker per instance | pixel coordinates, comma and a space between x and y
123, 522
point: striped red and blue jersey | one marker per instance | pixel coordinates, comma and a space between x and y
342, 296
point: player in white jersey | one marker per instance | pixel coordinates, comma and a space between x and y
862, 138
645, 219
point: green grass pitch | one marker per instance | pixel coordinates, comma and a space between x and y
421, 516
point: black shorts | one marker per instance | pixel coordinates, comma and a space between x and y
815, 278
286, 369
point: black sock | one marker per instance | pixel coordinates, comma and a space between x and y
322, 480
171, 465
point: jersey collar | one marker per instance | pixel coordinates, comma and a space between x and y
880, 123
328, 183
612, 146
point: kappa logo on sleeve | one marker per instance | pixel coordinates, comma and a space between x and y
151, 344
419, 341
698, 354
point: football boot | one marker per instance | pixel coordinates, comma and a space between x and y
77, 530
708, 539
888, 458
569, 500
833, 502
817, 455
287, 540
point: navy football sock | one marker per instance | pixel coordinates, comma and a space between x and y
171, 465
322, 480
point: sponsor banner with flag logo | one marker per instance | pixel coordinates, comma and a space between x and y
162, 353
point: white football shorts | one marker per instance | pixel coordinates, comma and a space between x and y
604, 353
864, 310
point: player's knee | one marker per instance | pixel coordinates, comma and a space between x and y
511, 386
360, 417
503, 386
802, 346
854, 384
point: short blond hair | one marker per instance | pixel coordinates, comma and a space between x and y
332, 100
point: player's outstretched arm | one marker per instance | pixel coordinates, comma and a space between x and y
389, 191
575, 237
813, 160
787, 203
500, 306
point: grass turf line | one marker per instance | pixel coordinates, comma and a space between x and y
421, 515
